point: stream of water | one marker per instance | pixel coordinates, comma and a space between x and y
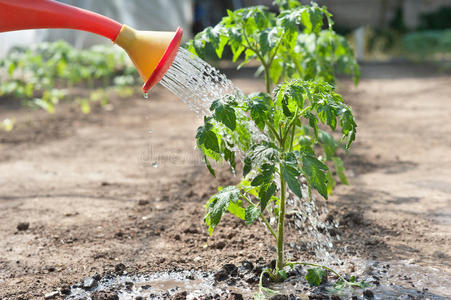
196, 83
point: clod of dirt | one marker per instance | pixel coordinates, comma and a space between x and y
180, 296
191, 229
279, 297
231, 269
129, 285
219, 245
226, 271
318, 297
22, 226
235, 296
119, 268
352, 218
97, 276
246, 265
143, 202
368, 294
65, 290
221, 275
105, 295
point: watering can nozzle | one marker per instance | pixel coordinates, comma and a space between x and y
152, 52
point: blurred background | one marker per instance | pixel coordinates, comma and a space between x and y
377, 29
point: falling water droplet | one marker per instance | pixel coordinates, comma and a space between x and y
155, 164
146, 95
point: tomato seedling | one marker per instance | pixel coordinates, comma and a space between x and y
278, 130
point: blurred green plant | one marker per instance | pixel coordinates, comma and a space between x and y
40, 75
427, 43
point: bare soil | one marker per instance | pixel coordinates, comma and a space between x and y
83, 194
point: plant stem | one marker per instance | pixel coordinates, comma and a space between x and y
267, 80
280, 263
265, 221
268, 225
273, 130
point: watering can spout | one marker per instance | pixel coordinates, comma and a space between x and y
152, 52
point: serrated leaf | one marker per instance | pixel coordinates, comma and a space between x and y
259, 106
218, 204
247, 166
224, 113
265, 176
316, 276
252, 214
276, 70
237, 210
330, 182
265, 194
207, 163
283, 274
316, 172
290, 175
207, 138
329, 144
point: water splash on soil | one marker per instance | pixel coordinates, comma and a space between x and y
388, 280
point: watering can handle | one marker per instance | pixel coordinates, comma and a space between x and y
34, 14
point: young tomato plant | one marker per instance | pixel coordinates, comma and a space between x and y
278, 130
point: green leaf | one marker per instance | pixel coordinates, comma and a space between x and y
252, 214
237, 210
218, 204
259, 106
312, 19
266, 175
316, 172
316, 276
329, 144
209, 167
290, 175
268, 39
207, 138
265, 194
330, 182
283, 274
340, 170
224, 113
247, 165
276, 70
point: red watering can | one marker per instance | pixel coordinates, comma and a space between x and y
152, 52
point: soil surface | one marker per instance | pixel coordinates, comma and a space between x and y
124, 188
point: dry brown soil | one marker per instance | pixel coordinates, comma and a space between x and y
99, 190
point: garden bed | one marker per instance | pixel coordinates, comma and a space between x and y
95, 200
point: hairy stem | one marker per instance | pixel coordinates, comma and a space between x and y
265, 221
267, 80
280, 262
